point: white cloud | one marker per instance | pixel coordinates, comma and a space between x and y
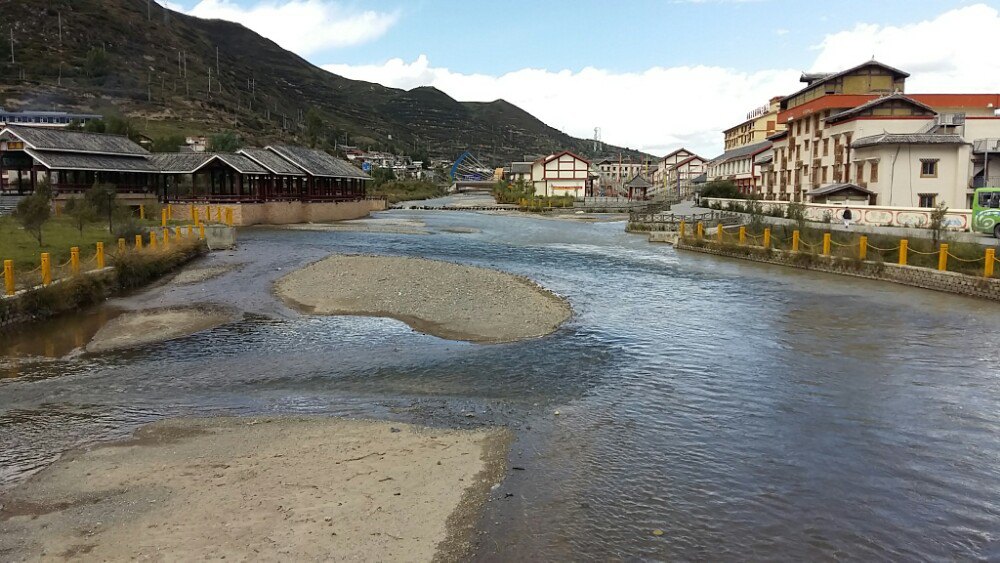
950, 53
780, 32
302, 26
656, 110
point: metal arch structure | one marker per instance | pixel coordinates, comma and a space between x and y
468, 168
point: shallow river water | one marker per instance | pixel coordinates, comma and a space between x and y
748, 411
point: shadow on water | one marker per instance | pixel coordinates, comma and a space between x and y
749, 411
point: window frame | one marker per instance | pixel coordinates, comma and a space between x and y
929, 161
933, 201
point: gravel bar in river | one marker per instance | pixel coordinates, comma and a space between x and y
447, 300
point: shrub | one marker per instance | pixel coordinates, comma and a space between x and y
34, 211
721, 189
137, 268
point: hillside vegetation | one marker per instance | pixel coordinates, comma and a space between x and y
176, 74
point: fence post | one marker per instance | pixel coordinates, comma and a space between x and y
904, 246
767, 237
208, 212
100, 254
152, 240
8, 277
943, 257
795, 241
177, 233
121, 245
743, 235
701, 229
718, 233
163, 218
74, 260
218, 214
680, 230
170, 211
190, 231
229, 216
166, 238
194, 215
138, 242
201, 232
46, 269
991, 257
826, 244
863, 248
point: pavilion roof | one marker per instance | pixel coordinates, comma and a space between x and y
60, 140
317, 163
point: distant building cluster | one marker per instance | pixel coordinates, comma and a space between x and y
857, 136
44, 118
401, 165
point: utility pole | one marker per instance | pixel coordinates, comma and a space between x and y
12, 45
59, 14
210, 80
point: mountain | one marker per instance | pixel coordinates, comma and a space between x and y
174, 73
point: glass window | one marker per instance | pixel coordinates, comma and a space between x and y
928, 169
927, 200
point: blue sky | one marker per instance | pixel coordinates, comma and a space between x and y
562, 60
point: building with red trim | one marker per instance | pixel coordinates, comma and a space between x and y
561, 174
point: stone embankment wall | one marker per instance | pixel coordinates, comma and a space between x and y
951, 282
282, 212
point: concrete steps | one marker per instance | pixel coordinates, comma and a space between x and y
8, 203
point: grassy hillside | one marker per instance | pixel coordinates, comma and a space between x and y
114, 56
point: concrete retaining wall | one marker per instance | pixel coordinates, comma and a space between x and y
876, 215
950, 282
282, 212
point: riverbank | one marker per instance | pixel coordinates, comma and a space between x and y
260, 488
447, 300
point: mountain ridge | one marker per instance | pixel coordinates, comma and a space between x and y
177, 73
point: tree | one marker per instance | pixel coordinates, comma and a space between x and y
94, 126
34, 211
224, 142
102, 198
314, 127
81, 211
723, 189
381, 176
937, 221
121, 125
96, 64
168, 143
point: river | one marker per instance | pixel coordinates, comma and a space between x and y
747, 411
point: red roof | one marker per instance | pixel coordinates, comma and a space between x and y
546, 159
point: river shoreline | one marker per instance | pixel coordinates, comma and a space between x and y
285, 488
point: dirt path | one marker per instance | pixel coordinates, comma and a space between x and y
441, 298
260, 489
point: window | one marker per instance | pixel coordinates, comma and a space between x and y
874, 172
928, 169
824, 174
807, 124
798, 128
989, 199
805, 145
860, 173
927, 200
826, 147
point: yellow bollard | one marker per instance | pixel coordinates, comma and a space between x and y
46, 269
170, 211
218, 214
229, 216
743, 235
152, 240
8, 277
701, 230
943, 257
863, 248
74, 260
826, 244
201, 232
163, 218
718, 233
680, 230
991, 258
177, 233
138, 242
194, 214
121, 245
100, 253
904, 246
166, 238
142, 211
208, 213
190, 231
795, 241
767, 237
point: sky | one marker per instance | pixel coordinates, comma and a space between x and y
652, 75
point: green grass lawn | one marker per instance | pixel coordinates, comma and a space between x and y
58, 235
406, 190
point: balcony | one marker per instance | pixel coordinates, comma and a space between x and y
987, 182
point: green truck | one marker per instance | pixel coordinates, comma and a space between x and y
986, 211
